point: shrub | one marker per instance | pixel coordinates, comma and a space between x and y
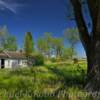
53, 60
75, 61
38, 60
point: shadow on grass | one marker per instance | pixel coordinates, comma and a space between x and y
69, 78
64, 74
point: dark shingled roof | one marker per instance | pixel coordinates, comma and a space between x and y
12, 55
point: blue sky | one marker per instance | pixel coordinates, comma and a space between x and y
36, 16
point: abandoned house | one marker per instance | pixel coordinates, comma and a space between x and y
12, 59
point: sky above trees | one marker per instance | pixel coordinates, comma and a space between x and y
36, 16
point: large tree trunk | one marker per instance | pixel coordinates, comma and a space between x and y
94, 79
93, 58
94, 83
89, 60
91, 42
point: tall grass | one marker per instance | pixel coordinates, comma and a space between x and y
48, 82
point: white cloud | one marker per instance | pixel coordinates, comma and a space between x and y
13, 7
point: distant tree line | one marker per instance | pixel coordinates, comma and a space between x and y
7, 41
47, 45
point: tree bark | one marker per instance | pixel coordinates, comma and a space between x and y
91, 42
93, 83
83, 32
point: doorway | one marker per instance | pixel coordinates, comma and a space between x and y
2, 63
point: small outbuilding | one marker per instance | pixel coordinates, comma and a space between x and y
13, 59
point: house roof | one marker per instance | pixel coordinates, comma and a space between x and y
14, 55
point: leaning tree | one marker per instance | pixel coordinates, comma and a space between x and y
90, 41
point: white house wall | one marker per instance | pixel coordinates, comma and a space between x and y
13, 63
0, 63
7, 63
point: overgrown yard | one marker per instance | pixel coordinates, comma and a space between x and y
49, 82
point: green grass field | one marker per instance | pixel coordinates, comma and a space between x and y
61, 81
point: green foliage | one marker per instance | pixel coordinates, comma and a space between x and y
3, 31
28, 44
38, 60
7, 41
1, 50
3, 35
53, 60
42, 80
68, 53
42, 45
57, 45
10, 43
49, 45
72, 35
48, 37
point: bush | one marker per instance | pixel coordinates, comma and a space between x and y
53, 60
75, 61
38, 60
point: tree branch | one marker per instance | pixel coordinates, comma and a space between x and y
97, 21
84, 35
93, 6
